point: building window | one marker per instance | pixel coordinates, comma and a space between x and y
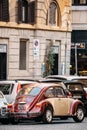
22, 56
4, 10
53, 14
79, 2
26, 11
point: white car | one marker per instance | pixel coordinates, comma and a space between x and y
3, 109
10, 88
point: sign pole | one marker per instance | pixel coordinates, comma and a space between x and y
76, 59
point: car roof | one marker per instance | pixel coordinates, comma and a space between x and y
73, 82
7, 81
41, 85
80, 77
17, 81
63, 77
48, 80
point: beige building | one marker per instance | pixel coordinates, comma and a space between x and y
27, 29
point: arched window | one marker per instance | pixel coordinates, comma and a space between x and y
4, 10
53, 14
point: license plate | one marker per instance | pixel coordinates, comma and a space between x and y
3, 111
21, 107
76, 96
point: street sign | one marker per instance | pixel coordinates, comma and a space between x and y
36, 49
79, 45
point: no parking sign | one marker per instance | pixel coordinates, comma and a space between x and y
36, 49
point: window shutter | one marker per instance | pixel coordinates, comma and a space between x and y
19, 11
31, 13
5, 10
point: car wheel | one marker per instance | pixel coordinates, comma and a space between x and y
79, 114
47, 116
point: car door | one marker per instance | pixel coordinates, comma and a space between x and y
61, 103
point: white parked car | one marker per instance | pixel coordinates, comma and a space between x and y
3, 109
10, 88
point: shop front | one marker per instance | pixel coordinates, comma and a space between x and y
79, 53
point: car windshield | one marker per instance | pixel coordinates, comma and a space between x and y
6, 88
33, 91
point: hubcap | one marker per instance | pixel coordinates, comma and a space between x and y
49, 116
80, 114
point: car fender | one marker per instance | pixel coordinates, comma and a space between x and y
74, 106
43, 105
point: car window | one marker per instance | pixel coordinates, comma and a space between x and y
76, 87
83, 81
50, 92
6, 88
34, 91
59, 92
29, 91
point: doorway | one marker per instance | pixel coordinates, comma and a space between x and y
3, 59
56, 60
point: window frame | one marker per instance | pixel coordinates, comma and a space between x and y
29, 14
78, 3
22, 41
56, 14
4, 10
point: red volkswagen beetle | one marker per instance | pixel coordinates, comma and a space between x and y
45, 101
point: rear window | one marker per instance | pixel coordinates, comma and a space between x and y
83, 81
6, 88
76, 87
29, 91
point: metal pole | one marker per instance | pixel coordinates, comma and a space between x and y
76, 59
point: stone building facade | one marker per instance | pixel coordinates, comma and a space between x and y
27, 28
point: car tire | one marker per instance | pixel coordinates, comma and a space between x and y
47, 115
79, 114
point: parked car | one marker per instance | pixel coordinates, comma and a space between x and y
10, 88
3, 109
45, 101
77, 90
82, 79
